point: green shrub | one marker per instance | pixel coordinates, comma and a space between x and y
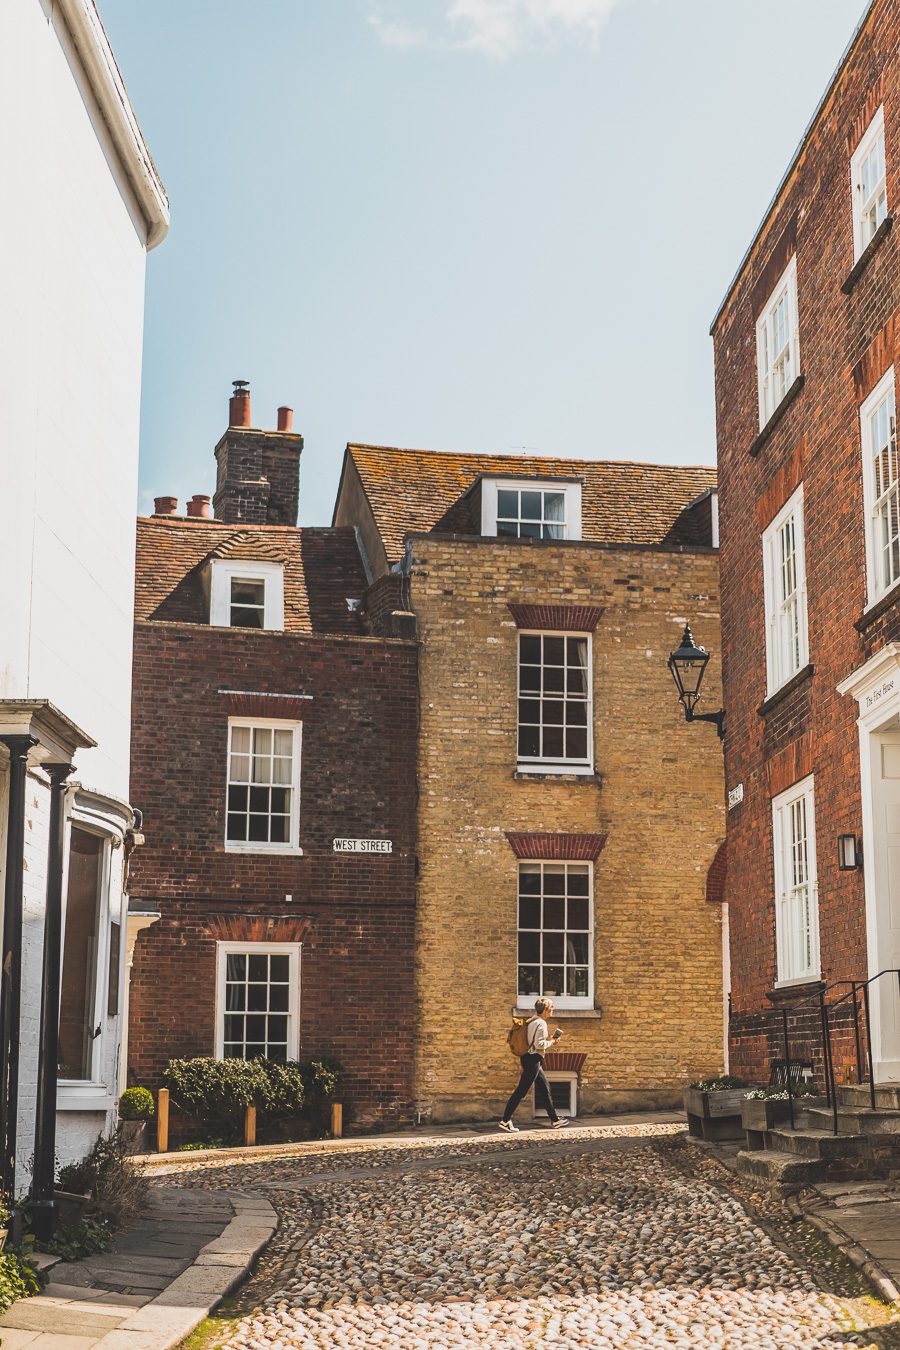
720, 1084
136, 1104
116, 1188
18, 1279
217, 1092
73, 1242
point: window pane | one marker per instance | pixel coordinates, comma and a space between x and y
530, 911
530, 650
507, 504
529, 979
258, 967
529, 947
235, 996
553, 980
278, 997
279, 969
554, 913
577, 949
577, 982
531, 505
239, 771
282, 770
530, 879
577, 881
576, 681
576, 714
554, 680
530, 679
554, 506
576, 744
553, 743
529, 742
508, 527
248, 592
284, 743
554, 651
242, 617
237, 798
554, 879
530, 711
262, 741
280, 800
553, 711
259, 799
237, 829
234, 1028
80, 951
530, 530
240, 740
579, 914
554, 948
257, 998
278, 1030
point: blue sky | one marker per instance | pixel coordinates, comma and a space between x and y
480, 225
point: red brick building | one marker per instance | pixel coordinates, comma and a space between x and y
807, 344
273, 742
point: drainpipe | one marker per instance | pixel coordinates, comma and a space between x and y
11, 974
43, 1205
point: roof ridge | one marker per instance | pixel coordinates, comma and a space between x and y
524, 459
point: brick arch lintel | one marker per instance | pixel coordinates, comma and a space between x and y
558, 847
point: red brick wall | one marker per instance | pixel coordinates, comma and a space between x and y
354, 913
846, 344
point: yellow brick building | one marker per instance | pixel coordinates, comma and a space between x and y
568, 817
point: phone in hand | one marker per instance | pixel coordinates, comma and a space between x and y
557, 1033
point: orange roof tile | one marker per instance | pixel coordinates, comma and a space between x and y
322, 570
412, 491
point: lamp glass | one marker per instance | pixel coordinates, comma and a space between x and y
687, 665
847, 860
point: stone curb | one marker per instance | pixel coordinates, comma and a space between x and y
219, 1267
864, 1261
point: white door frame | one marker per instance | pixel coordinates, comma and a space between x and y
876, 687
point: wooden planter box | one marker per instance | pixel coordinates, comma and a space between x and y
759, 1114
134, 1132
70, 1207
714, 1115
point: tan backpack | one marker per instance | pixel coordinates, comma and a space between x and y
517, 1039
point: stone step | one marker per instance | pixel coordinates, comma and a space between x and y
783, 1169
887, 1095
816, 1143
856, 1120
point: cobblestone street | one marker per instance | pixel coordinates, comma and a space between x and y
610, 1237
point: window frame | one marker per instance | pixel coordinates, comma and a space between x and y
777, 674
556, 766
885, 387
789, 971
260, 845
786, 284
293, 950
93, 1083
561, 1002
571, 490
227, 570
873, 132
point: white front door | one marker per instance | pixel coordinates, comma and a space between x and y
884, 889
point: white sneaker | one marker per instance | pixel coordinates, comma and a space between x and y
509, 1127
559, 1124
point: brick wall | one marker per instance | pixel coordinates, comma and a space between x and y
353, 913
658, 799
846, 344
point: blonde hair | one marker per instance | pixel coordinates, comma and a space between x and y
543, 1005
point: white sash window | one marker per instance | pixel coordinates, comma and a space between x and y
778, 344
878, 428
869, 178
784, 562
796, 890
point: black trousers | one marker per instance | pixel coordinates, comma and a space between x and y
532, 1072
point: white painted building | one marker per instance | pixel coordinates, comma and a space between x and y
80, 205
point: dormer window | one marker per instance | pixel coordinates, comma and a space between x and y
530, 509
247, 594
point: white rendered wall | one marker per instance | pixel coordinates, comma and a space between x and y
72, 263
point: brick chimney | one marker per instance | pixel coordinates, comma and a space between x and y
258, 472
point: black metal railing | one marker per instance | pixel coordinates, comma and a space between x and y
857, 991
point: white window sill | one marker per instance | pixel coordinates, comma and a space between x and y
280, 850
74, 1096
797, 980
536, 767
880, 599
560, 1006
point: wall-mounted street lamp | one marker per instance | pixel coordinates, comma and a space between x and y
687, 665
849, 853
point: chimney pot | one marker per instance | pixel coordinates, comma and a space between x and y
199, 506
165, 506
285, 419
239, 404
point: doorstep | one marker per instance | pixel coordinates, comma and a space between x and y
157, 1282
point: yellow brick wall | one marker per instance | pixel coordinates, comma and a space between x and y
658, 942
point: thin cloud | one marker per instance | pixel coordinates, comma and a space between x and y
500, 28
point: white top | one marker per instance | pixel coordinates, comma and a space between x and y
539, 1039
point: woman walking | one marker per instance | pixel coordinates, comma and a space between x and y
539, 1042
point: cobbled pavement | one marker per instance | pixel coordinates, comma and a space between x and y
601, 1238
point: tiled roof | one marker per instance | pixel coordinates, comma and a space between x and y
322, 570
415, 491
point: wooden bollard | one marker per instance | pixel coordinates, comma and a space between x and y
162, 1121
337, 1120
250, 1125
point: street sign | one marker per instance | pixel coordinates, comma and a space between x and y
363, 846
